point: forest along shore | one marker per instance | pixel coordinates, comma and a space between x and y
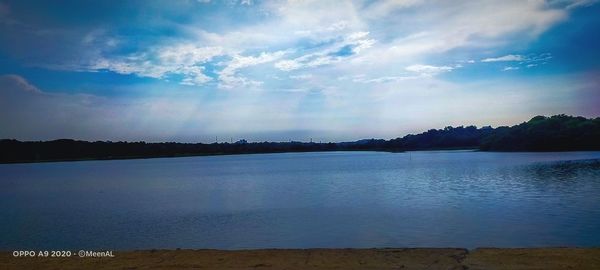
387, 258
556, 133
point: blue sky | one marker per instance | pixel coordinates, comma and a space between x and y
290, 70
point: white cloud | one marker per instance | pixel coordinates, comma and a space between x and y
333, 28
579, 3
195, 76
301, 76
428, 70
510, 68
420, 33
510, 57
187, 54
356, 41
359, 41
528, 61
417, 71
382, 8
159, 62
288, 65
385, 79
228, 78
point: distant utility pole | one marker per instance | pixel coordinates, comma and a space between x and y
216, 139
310, 140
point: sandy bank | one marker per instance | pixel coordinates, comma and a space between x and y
484, 258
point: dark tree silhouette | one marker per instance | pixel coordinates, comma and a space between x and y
556, 133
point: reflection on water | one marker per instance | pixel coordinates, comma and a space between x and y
300, 200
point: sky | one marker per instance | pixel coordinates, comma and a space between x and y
196, 70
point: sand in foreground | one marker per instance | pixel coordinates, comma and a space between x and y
450, 258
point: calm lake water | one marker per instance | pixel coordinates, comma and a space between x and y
302, 200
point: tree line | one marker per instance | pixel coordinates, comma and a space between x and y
555, 133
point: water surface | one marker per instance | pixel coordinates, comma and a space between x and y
305, 200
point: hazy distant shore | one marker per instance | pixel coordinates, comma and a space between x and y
388, 258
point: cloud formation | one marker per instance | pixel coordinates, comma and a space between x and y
228, 77
510, 57
428, 70
317, 34
342, 68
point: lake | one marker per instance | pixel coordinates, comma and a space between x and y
305, 200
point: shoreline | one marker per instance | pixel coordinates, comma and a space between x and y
236, 154
375, 258
264, 153
204, 155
